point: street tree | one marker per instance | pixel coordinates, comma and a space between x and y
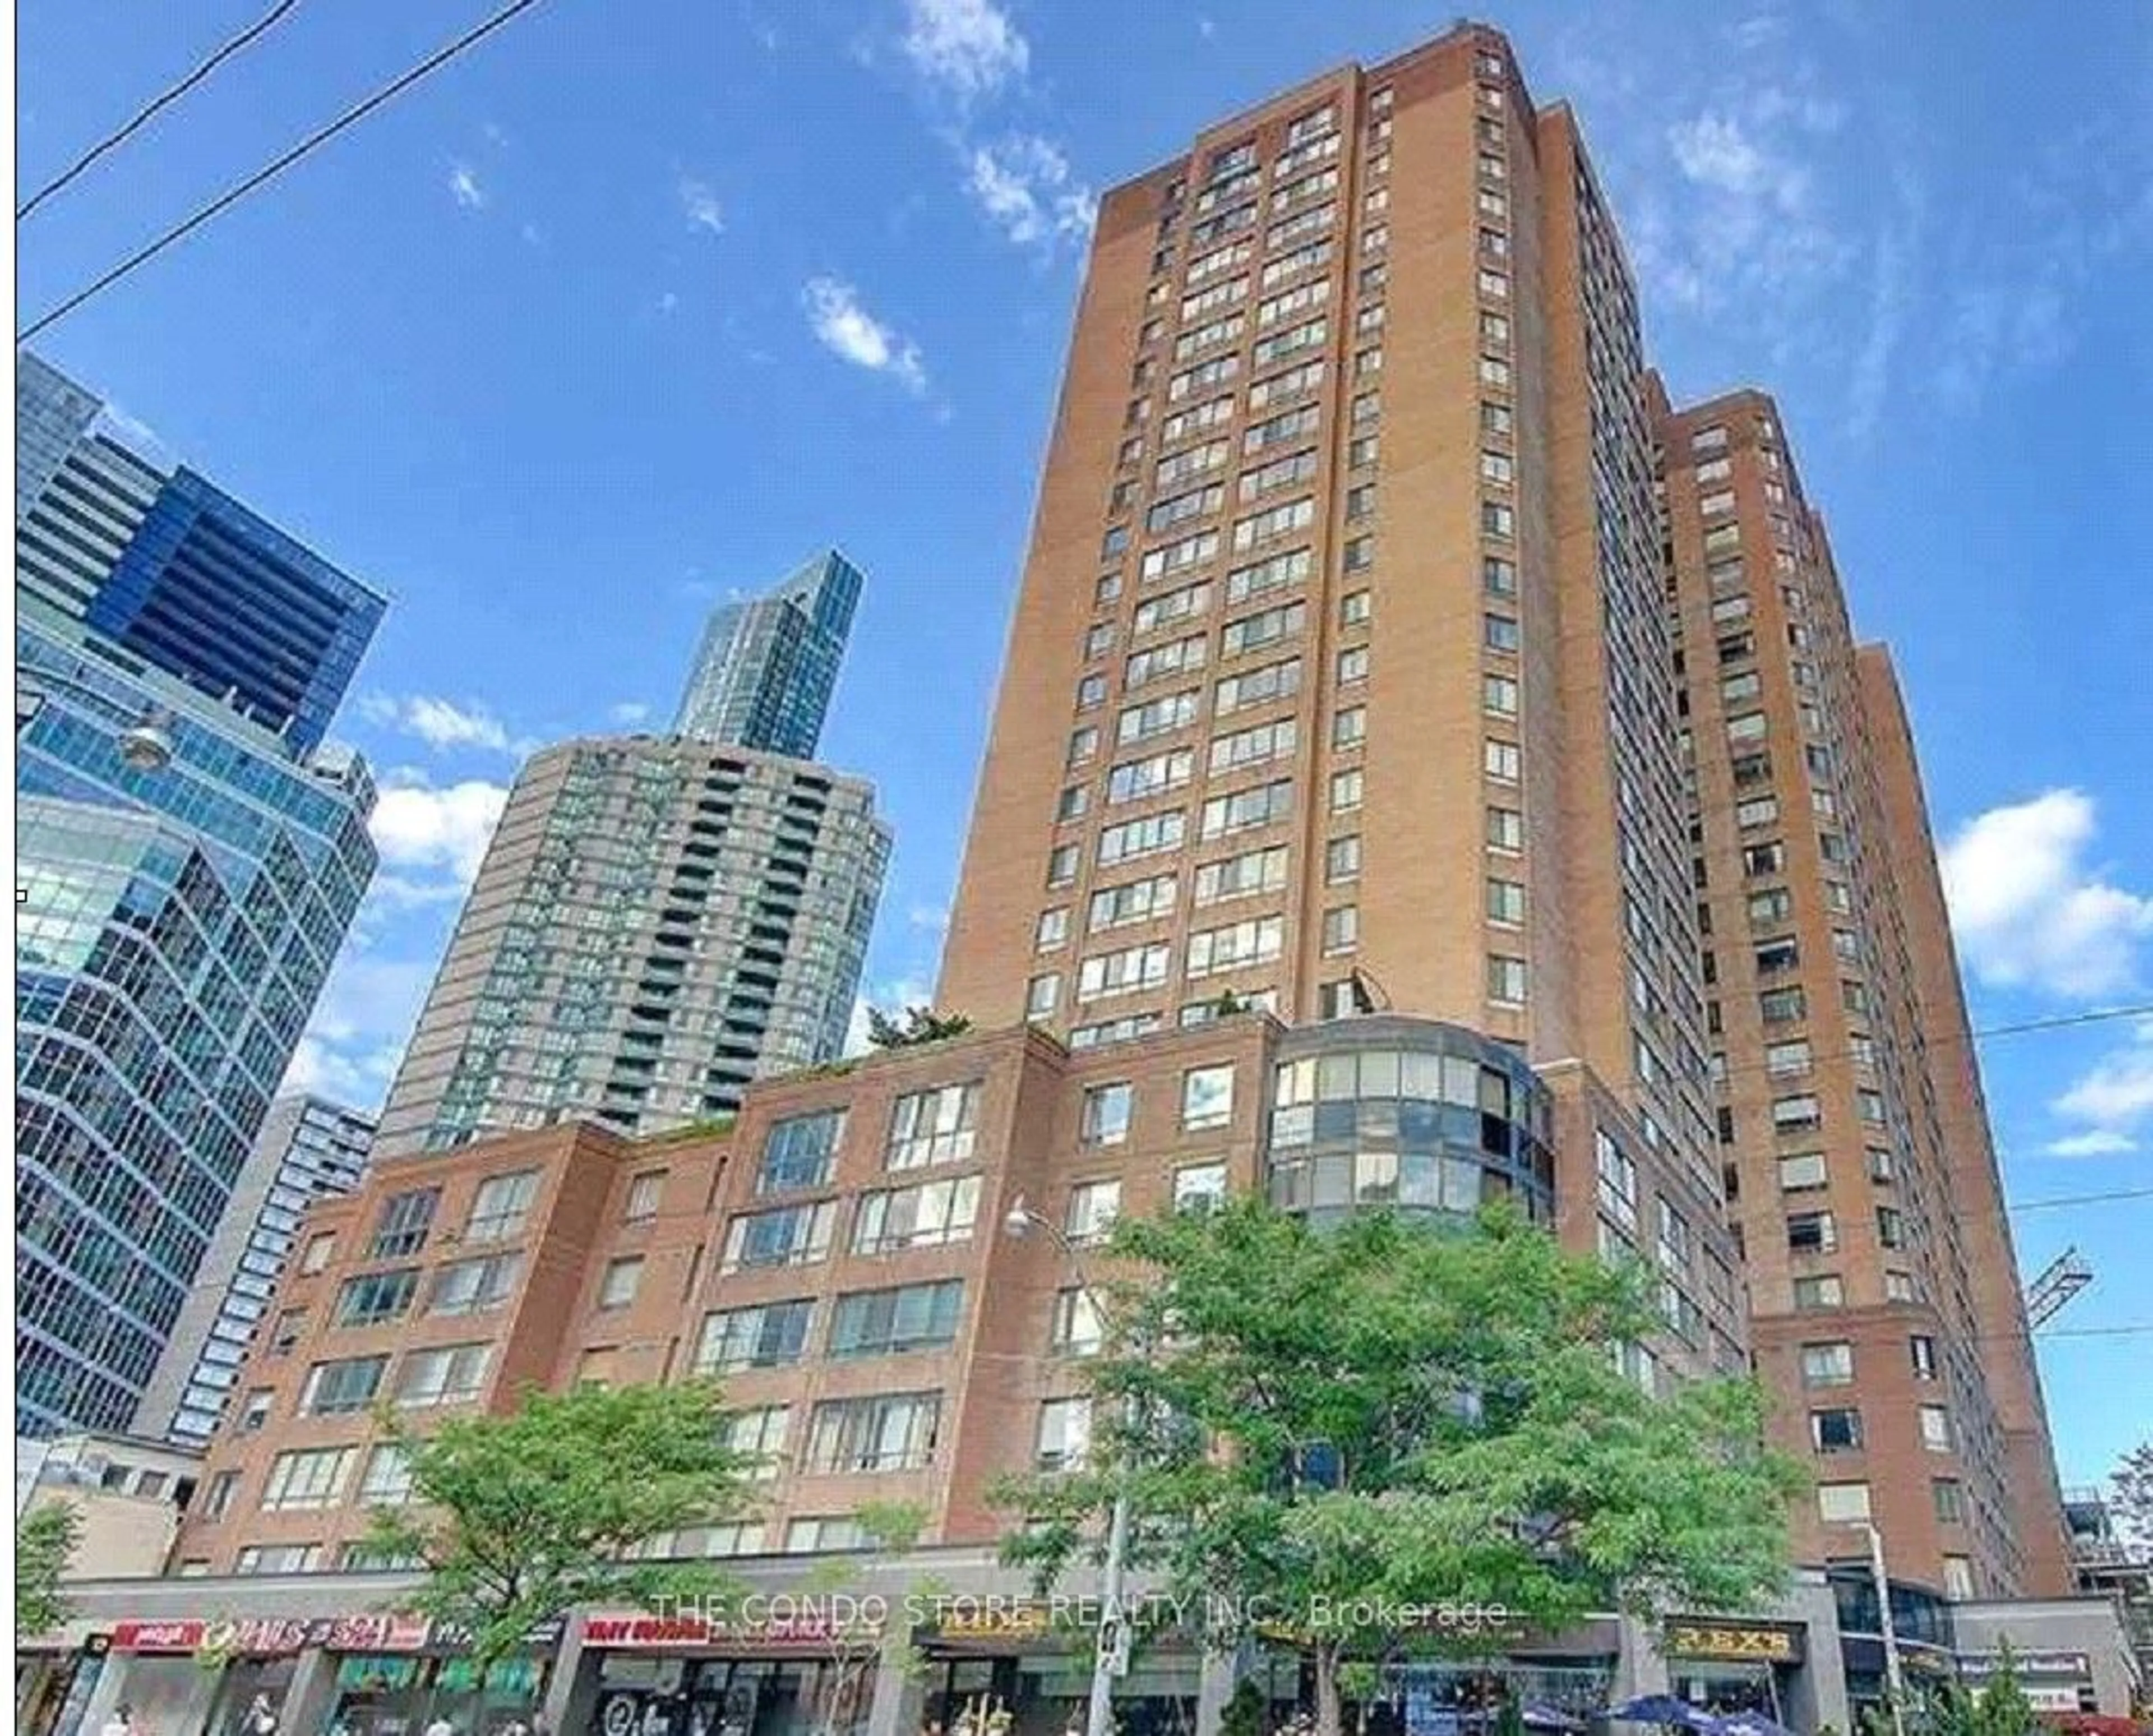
848, 1601
919, 1025
518, 1519
1334, 1425
2131, 1485
45, 1538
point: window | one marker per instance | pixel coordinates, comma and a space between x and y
1091, 692
1891, 1227
1072, 802
1506, 829
1346, 791
1076, 1329
888, 1432
278, 1557
1899, 1287
1128, 971
1156, 717
473, 1287
255, 1411
501, 1205
1842, 1503
789, 1235
450, 1374
1093, 1207
1835, 1431
317, 1256
1781, 1059
1500, 634
1065, 1434
1198, 1186
1498, 695
1247, 810
824, 1535
314, 1479
1805, 1171
1342, 860
1506, 902
932, 1127
1256, 941
1617, 1181
644, 1194
796, 1151
1796, 1115
1958, 1578
1254, 746
401, 1228
1923, 1348
386, 1482
617, 1288
1083, 744
1138, 901
1502, 761
1811, 1232
333, 1388
906, 1317
1936, 1428
1135, 779
1823, 1291
1827, 1364
1259, 686
216, 1498
770, 1336
377, 1296
1950, 1498
1244, 876
1053, 930
1782, 1006
1106, 1116
1207, 1097
1506, 980
1341, 929
759, 1435
927, 1214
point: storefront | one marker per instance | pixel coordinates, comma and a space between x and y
399, 1675
53, 1684
672, 1677
999, 1667
2053, 1681
1728, 1667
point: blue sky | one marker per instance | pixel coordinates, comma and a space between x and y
636, 306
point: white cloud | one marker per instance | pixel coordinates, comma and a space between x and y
2113, 1102
351, 1047
442, 724
668, 302
2101, 1143
969, 48
2029, 911
418, 826
464, 187
933, 918
848, 330
630, 712
700, 206
1024, 184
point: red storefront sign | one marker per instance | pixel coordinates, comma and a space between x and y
157, 1636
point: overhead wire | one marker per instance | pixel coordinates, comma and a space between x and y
269, 171
164, 99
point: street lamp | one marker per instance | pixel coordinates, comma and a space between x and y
1895, 1680
1110, 1656
144, 745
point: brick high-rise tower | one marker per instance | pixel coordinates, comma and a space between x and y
1884, 1293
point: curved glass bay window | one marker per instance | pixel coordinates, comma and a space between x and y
1410, 1114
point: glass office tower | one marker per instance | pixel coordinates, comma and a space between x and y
188, 859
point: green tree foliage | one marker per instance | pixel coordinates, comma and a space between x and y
1245, 1713
919, 1025
1338, 1423
519, 1518
45, 1538
852, 1644
2130, 1495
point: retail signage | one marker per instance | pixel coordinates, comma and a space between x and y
994, 1619
634, 1632
157, 1636
2027, 1663
1735, 1642
276, 1635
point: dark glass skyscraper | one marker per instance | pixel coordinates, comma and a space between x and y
766, 670
188, 859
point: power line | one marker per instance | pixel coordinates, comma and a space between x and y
2024, 1027
112, 141
178, 231
2036, 1205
